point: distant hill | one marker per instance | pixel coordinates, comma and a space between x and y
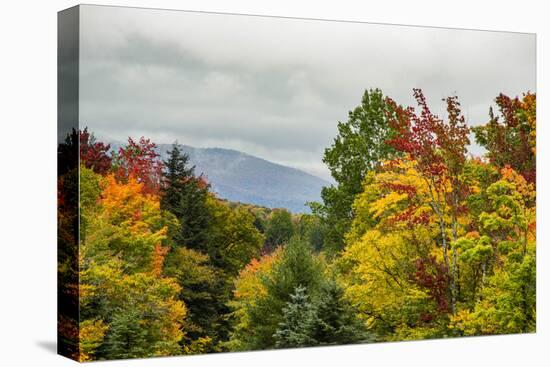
241, 177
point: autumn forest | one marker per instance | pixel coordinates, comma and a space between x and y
416, 239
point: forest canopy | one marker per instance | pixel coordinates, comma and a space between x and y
416, 239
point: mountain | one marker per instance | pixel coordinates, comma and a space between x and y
238, 176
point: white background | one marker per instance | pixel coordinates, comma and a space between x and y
28, 183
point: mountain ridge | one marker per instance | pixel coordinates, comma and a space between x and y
243, 177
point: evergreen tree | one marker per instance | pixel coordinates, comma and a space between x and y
184, 195
126, 337
199, 284
297, 268
326, 319
300, 319
338, 323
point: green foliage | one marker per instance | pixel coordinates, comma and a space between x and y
233, 240
288, 300
279, 228
506, 300
327, 319
249, 289
90, 190
339, 322
297, 267
120, 292
127, 338
309, 228
475, 257
92, 335
416, 240
185, 196
300, 319
199, 284
359, 147
133, 306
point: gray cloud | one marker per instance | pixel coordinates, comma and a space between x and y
276, 87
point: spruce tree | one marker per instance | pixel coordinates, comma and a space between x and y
297, 268
184, 195
300, 319
324, 318
337, 320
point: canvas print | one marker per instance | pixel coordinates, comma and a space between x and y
242, 183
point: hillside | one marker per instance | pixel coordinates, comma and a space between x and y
237, 176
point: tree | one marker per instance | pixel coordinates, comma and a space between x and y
90, 191
506, 302
439, 149
144, 316
510, 139
249, 288
127, 338
279, 228
339, 321
140, 161
141, 310
393, 265
129, 225
68, 246
124, 298
326, 319
382, 276
297, 267
285, 299
233, 239
94, 154
185, 195
310, 229
359, 147
300, 319
232, 242
199, 283
91, 336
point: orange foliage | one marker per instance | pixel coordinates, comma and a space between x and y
158, 259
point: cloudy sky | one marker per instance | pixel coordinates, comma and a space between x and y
275, 87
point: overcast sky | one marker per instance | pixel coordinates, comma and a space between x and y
275, 87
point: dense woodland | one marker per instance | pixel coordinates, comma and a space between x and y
417, 239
